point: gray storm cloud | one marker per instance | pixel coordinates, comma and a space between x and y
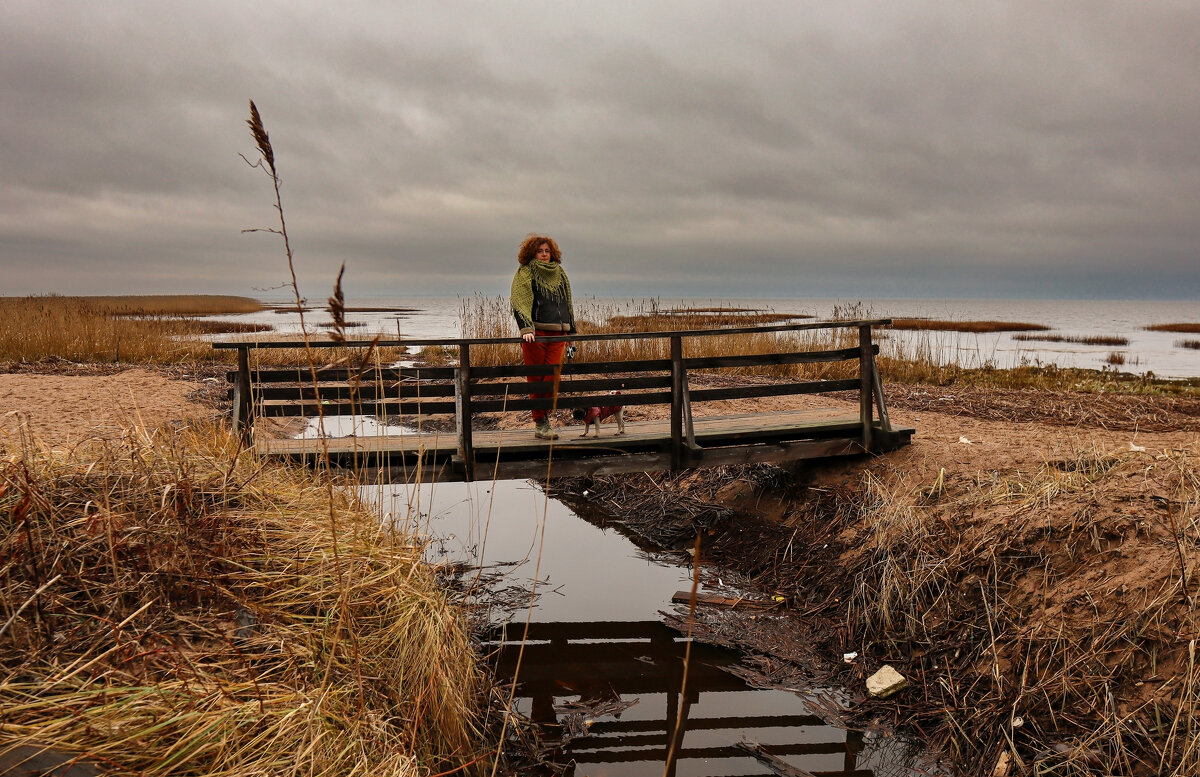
982, 149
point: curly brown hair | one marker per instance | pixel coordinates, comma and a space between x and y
529, 248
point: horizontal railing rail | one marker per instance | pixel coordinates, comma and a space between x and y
457, 341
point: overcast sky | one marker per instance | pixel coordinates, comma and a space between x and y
727, 149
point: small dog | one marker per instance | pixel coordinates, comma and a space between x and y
594, 415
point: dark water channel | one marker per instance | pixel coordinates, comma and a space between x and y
596, 640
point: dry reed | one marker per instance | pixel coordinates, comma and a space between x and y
1080, 339
1020, 645
154, 329
1187, 328
171, 604
979, 327
919, 360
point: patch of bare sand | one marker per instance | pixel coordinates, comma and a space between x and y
64, 410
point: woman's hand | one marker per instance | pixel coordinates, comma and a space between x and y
527, 337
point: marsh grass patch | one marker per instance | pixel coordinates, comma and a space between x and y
973, 327
174, 605
1109, 340
1180, 328
143, 329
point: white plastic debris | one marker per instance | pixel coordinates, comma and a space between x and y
1137, 448
965, 441
849, 657
885, 682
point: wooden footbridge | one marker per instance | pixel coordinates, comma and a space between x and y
439, 423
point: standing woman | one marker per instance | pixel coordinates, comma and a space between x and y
541, 304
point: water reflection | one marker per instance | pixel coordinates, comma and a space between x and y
568, 667
600, 664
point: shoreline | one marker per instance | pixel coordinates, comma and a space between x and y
1058, 477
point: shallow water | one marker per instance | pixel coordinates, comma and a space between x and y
596, 635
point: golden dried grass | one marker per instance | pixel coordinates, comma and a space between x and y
148, 330
1021, 641
173, 605
979, 327
491, 317
1181, 328
919, 359
1080, 339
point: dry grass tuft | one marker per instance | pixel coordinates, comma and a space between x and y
1182, 328
989, 593
936, 325
1080, 339
172, 605
146, 330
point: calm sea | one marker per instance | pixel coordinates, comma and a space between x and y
1147, 352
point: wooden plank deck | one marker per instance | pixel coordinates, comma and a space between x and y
516, 453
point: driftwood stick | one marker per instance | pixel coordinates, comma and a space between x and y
772, 761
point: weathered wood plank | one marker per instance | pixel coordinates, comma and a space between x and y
574, 368
771, 359
569, 386
773, 390
866, 386
302, 374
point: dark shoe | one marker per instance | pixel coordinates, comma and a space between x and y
543, 431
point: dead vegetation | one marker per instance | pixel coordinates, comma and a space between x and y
1188, 328
1047, 618
170, 604
1100, 410
1111, 340
978, 327
921, 361
146, 330
1050, 615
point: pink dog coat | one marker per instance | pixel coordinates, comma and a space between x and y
600, 413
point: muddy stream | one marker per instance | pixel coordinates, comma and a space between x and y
600, 668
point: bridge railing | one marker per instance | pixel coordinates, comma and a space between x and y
469, 388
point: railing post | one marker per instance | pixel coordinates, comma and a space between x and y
885, 422
243, 402
676, 402
866, 382
462, 410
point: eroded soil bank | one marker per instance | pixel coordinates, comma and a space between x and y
1029, 564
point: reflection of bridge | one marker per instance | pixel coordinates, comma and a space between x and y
604, 660
461, 392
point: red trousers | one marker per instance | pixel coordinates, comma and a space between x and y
542, 353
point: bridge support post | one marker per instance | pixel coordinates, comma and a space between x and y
462, 411
866, 375
676, 402
243, 403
